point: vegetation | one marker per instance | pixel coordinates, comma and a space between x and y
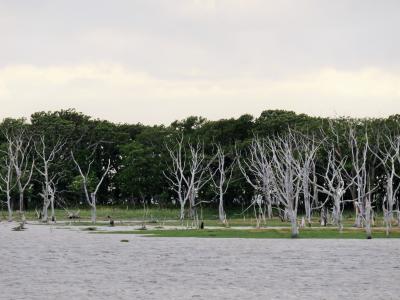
259, 233
279, 166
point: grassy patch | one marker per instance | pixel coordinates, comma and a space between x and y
261, 233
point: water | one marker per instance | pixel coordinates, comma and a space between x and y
44, 262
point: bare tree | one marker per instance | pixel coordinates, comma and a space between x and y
90, 195
388, 156
221, 179
20, 158
6, 176
188, 174
359, 156
307, 150
257, 170
47, 154
335, 185
176, 174
287, 177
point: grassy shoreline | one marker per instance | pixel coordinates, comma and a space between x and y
256, 233
165, 223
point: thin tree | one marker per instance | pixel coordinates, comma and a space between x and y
176, 176
90, 195
47, 154
221, 179
256, 169
6, 176
23, 163
359, 159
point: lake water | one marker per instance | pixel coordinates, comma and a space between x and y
44, 262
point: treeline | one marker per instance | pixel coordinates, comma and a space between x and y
67, 159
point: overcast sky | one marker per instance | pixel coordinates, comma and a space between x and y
154, 61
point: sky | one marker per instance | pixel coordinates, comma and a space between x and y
155, 61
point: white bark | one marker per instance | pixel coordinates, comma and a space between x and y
6, 176
47, 154
90, 196
188, 174
335, 186
307, 152
19, 153
257, 170
287, 177
221, 179
387, 155
359, 163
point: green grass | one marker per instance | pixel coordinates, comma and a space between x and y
261, 233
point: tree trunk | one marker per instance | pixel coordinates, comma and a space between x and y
368, 230
52, 210
21, 202
221, 211
182, 215
93, 213
269, 209
9, 208
45, 215
293, 223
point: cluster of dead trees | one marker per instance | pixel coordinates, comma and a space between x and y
297, 174
26, 154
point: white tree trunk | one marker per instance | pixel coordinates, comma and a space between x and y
182, 214
21, 200
10, 213
93, 208
293, 224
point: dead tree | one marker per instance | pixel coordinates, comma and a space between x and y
90, 195
221, 179
198, 177
306, 153
46, 155
257, 170
188, 174
387, 154
287, 177
335, 186
20, 158
176, 174
363, 203
6, 176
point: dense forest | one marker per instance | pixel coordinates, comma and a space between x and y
278, 163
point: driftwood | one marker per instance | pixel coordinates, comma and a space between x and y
111, 221
20, 227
